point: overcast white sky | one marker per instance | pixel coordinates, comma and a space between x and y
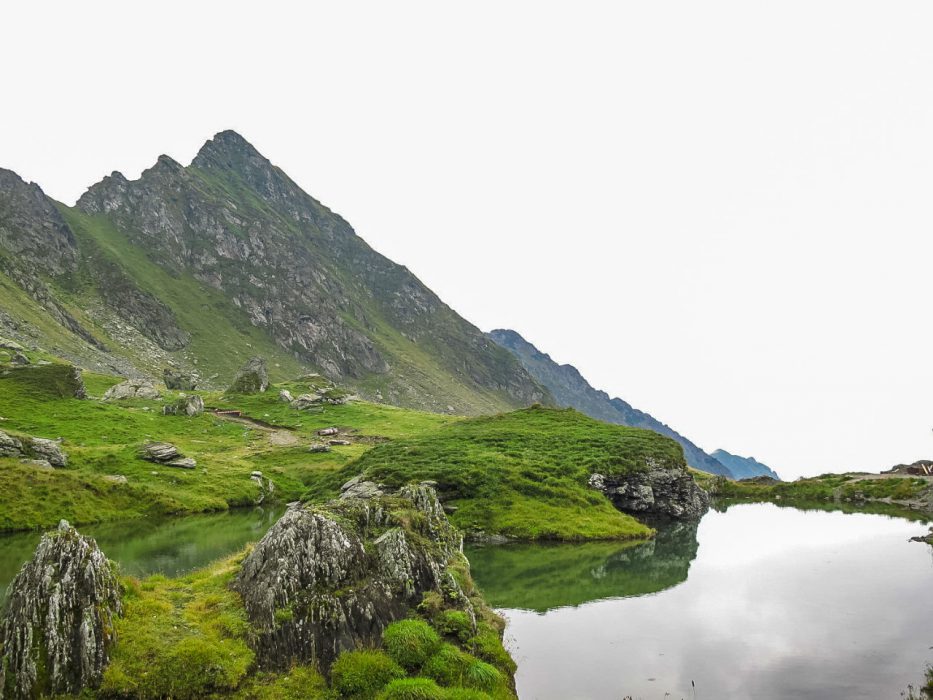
719, 211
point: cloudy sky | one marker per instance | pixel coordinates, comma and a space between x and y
719, 211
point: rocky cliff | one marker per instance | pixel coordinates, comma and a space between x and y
569, 388
227, 258
331, 578
57, 629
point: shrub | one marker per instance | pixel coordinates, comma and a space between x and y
412, 689
455, 623
482, 676
410, 642
448, 666
362, 673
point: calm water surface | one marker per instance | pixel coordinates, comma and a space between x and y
168, 546
756, 602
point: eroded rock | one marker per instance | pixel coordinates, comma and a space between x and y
49, 450
57, 629
192, 405
132, 389
160, 452
10, 446
660, 489
253, 378
330, 578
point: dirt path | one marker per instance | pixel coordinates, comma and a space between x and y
280, 437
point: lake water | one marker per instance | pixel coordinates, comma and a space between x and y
756, 602
169, 546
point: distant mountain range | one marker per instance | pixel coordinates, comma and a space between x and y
569, 388
744, 467
205, 265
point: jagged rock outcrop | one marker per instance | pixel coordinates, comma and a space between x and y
253, 378
330, 578
132, 389
179, 380
659, 490
10, 446
191, 405
49, 450
58, 624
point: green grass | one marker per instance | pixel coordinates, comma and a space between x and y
826, 488
361, 674
521, 474
410, 642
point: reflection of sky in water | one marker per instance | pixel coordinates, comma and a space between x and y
779, 603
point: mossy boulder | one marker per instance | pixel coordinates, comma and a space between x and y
253, 378
58, 627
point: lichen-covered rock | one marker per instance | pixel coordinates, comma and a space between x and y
10, 446
253, 378
305, 401
179, 380
57, 629
49, 450
285, 396
660, 490
160, 452
192, 405
132, 389
329, 579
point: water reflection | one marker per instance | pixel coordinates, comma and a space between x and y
779, 603
541, 577
170, 546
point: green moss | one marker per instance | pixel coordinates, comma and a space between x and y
300, 683
448, 665
412, 689
455, 623
410, 642
363, 673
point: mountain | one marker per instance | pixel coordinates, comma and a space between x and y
744, 467
203, 266
569, 388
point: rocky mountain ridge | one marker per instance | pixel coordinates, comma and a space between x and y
744, 467
205, 265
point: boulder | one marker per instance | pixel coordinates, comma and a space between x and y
337, 443
182, 463
57, 630
253, 378
663, 490
319, 447
132, 389
160, 452
116, 478
42, 464
357, 487
192, 405
305, 401
179, 380
331, 578
49, 450
324, 432
285, 396
8, 344
10, 446
19, 359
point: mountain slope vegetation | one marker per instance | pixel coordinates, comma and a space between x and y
206, 265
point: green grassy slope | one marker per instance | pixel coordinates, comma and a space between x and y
522, 474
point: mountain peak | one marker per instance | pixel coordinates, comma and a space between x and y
228, 150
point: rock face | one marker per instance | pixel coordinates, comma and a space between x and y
57, 629
132, 389
10, 446
179, 380
253, 378
192, 405
49, 450
658, 490
328, 579
570, 389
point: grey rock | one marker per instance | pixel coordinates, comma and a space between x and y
319, 447
42, 464
160, 452
19, 359
49, 450
10, 446
285, 396
324, 432
57, 630
8, 344
358, 488
182, 463
253, 378
336, 443
179, 380
660, 490
192, 405
132, 389
116, 478
344, 571
305, 401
